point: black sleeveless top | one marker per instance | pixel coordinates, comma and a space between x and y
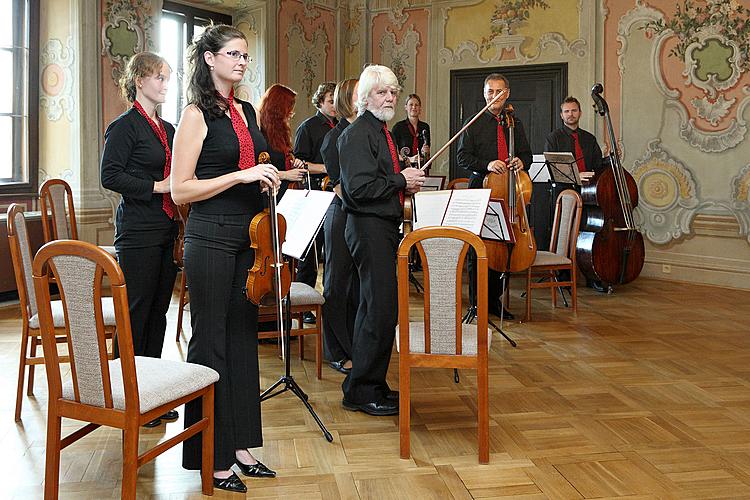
220, 155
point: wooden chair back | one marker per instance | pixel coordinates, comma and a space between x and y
58, 213
459, 183
20, 253
566, 224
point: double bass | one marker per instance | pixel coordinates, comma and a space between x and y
609, 247
514, 187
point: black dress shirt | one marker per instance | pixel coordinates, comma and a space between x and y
133, 160
403, 138
330, 153
369, 184
561, 140
309, 137
477, 147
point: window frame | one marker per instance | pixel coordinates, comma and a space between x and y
29, 186
190, 14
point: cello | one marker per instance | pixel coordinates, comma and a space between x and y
610, 247
515, 187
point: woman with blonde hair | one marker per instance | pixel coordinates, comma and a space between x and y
136, 163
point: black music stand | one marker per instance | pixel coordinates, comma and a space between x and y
563, 167
497, 227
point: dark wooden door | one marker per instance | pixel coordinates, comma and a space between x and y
536, 92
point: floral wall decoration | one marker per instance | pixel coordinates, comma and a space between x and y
127, 29
400, 57
310, 62
508, 16
56, 78
712, 41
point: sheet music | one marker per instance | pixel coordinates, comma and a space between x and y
538, 170
304, 211
467, 209
429, 207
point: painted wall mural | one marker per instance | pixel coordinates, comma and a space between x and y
127, 29
56, 79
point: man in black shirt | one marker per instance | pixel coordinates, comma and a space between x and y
372, 189
307, 143
483, 148
573, 139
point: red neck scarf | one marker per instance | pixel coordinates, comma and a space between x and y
247, 148
394, 158
167, 204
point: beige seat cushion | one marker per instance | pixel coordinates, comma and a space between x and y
550, 259
159, 381
445, 345
301, 294
58, 317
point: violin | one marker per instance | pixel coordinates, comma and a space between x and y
270, 278
409, 198
515, 187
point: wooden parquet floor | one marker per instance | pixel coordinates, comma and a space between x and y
643, 394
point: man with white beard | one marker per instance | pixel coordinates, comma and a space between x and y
372, 188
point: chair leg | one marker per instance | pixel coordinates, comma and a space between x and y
553, 289
574, 290
129, 462
207, 444
35, 341
52, 466
22, 370
319, 343
404, 409
483, 426
181, 305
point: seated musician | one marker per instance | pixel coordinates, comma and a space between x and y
372, 190
483, 148
573, 139
584, 148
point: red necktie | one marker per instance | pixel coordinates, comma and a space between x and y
414, 140
394, 159
578, 152
330, 123
166, 204
502, 146
247, 148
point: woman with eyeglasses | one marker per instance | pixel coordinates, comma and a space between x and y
215, 169
276, 110
136, 164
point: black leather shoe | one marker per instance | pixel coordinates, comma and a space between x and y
232, 483
170, 415
374, 408
154, 423
339, 366
506, 313
308, 318
598, 286
255, 470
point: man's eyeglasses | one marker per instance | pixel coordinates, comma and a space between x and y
236, 55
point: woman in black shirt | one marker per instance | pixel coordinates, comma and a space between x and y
411, 132
136, 163
215, 169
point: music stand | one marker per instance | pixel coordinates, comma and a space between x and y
563, 167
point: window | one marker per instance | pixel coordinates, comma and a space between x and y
179, 24
19, 95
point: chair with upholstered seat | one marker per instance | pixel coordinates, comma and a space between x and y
441, 340
124, 393
58, 212
562, 253
21, 256
303, 298
459, 183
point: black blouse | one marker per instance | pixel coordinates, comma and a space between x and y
220, 154
403, 138
330, 152
133, 160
